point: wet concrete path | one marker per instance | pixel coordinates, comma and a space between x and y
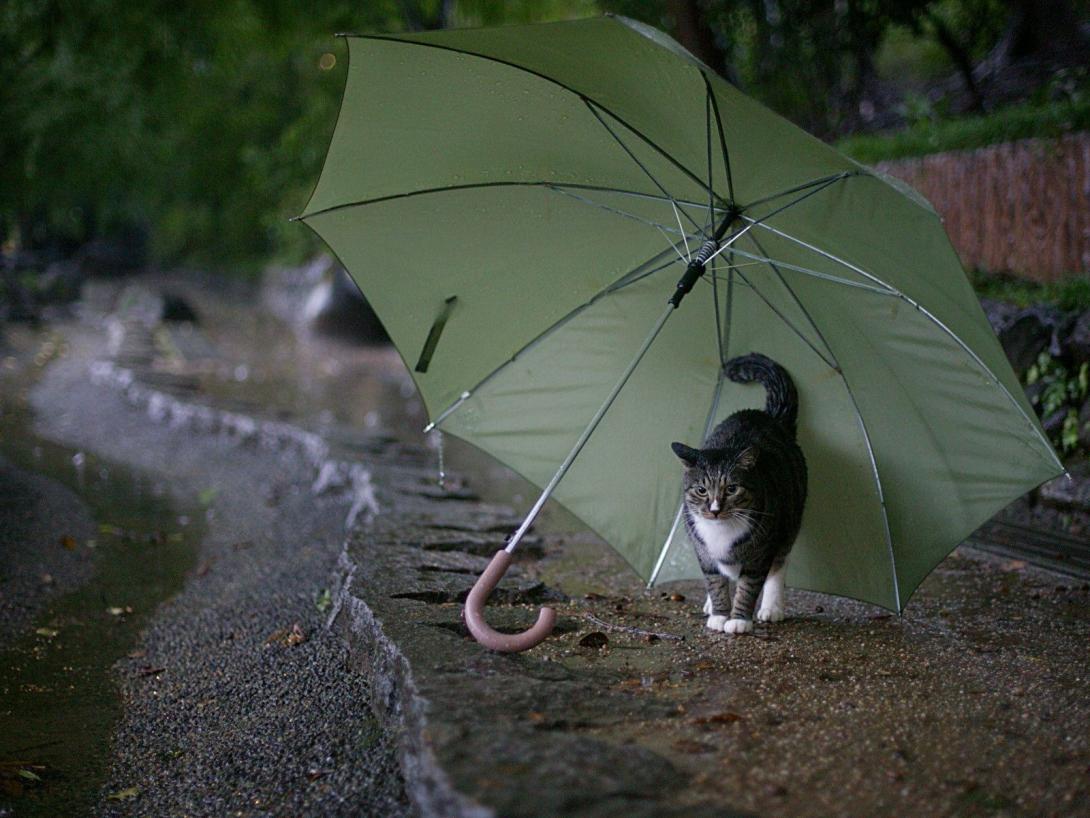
235, 699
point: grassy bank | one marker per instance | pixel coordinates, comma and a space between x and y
1026, 121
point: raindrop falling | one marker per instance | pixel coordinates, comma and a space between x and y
79, 461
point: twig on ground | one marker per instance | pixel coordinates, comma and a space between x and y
609, 626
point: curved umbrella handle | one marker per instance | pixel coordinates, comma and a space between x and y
483, 632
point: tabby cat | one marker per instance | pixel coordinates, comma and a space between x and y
744, 495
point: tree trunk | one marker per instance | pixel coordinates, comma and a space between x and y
960, 57
695, 34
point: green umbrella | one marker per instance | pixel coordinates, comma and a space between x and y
518, 205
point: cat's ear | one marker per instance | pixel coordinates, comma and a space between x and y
688, 455
747, 459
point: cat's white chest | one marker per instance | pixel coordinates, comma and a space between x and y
719, 536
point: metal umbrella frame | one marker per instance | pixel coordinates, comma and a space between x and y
774, 248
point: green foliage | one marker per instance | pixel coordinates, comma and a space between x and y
931, 134
204, 122
1060, 387
1070, 295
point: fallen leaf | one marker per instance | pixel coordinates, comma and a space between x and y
139, 653
106, 528
148, 670
726, 717
49, 633
323, 601
594, 639
69, 542
536, 717
117, 611
1014, 565
204, 567
29, 776
126, 794
288, 637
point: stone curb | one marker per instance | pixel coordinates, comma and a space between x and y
396, 703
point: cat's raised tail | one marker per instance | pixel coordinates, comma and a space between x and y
782, 402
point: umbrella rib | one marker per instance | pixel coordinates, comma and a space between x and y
644, 137
931, 317
635, 274
733, 237
708, 140
681, 505
784, 318
585, 200
859, 417
592, 107
827, 255
813, 273
722, 135
718, 323
832, 177
589, 430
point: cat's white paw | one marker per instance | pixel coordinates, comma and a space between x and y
716, 623
771, 612
708, 604
737, 626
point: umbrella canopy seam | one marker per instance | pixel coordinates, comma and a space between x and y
1054, 460
483, 185
725, 243
650, 142
862, 427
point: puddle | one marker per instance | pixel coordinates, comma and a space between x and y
59, 700
346, 392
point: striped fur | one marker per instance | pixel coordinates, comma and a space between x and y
782, 401
744, 495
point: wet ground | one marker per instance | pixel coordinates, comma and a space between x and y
972, 703
164, 595
203, 550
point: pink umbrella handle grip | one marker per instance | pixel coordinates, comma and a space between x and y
482, 632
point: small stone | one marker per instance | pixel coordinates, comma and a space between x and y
677, 597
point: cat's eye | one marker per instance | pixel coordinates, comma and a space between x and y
700, 491
732, 489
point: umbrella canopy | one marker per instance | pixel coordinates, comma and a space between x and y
517, 205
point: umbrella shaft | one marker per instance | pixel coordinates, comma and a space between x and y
587, 432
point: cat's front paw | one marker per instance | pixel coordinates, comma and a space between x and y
772, 612
708, 604
716, 622
737, 626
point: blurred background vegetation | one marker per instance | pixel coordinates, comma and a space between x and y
187, 133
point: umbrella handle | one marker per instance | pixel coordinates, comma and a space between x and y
483, 632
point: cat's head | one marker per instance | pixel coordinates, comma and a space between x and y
717, 482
